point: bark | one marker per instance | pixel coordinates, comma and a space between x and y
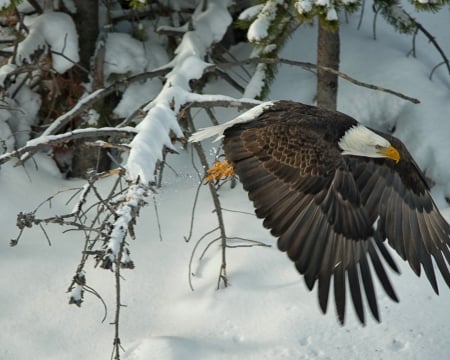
328, 46
86, 21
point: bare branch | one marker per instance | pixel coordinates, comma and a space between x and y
432, 39
308, 65
35, 4
217, 207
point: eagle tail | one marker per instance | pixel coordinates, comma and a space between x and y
218, 130
209, 132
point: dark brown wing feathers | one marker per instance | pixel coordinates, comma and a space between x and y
322, 206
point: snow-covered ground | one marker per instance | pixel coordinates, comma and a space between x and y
266, 312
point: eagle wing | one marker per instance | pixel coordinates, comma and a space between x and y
397, 195
305, 192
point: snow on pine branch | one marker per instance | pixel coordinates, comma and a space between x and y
42, 36
259, 29
268, 29
160, 122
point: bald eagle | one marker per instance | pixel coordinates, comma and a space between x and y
332, 191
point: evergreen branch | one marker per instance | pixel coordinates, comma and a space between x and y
402, 21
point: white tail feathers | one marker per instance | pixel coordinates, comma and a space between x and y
209, 132
218, 130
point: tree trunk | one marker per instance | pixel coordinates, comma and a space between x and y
328, 45
87, 23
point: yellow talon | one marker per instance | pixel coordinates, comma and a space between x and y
220, 170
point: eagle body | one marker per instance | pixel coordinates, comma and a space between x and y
332, 191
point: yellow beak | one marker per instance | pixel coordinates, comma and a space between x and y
391, 153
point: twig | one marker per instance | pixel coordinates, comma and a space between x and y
208, 104
191, 259
435, 68
117, 347
61, 53
374, 24
227, 77
212, 116
253, 242
79, 66
432, 39
194, 205
46, 235
97, 295
309, 65
361, 15
239, 212
413, 46
205, 250
106, 145
155, 205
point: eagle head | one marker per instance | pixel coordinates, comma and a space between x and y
361, 141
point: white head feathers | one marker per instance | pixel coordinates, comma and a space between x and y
361, 141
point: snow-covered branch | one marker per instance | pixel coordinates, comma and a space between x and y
43, 142
88, 101
154, 132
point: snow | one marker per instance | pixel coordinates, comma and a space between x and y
28, 103
266, 312
303, 6
332, 14
251, 12
124, 55
325, 3
42, 35
5, 70
259, 28
17, 117
256, 83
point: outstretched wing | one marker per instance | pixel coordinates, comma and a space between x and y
307, 196
398, 196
